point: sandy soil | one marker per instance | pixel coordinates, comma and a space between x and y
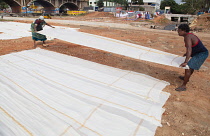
187, 113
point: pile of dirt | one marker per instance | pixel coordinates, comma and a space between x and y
201, 23
161, 20
91, 16
99, 14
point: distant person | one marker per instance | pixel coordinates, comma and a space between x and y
139, 15
43, 12
36, 26
147, 15
196, 54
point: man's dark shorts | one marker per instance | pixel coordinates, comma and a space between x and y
197, 60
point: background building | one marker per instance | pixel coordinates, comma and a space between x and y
153, 3
106, 4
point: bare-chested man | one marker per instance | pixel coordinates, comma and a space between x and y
196, 54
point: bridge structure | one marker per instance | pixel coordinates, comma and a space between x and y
50, 6
180, 17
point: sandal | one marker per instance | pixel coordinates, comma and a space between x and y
181, 77
179, 89
45, 45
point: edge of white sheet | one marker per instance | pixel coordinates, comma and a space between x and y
14, 30
36, 57
115, 46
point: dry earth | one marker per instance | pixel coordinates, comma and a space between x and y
187, 113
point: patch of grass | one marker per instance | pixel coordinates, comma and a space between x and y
151, 21
82, 14
5, 20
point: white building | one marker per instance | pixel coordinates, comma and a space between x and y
155, 3
106, 4
93, 3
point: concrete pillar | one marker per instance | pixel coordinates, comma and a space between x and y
179, 20
21, 2
56, 3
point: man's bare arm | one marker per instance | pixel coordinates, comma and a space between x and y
188, 44
35, 25
49, 25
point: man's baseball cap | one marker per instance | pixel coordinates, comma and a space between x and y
41, 18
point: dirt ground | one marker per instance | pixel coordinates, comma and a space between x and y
187, 113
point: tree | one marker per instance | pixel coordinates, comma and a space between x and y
3, 5
170, 3
177, 9
100, 3
138, 2
141, 8
196, 5
122, 2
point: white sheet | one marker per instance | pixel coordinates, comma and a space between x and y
115, 46
13, 30
46, 93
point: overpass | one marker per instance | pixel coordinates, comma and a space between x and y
180, 17
51, 6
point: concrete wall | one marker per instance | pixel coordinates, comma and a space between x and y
179, 16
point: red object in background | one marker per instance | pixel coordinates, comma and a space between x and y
118, 8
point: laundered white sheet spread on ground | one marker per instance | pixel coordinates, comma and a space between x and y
44, 93
12, 30
115, 46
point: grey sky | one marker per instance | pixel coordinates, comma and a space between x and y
178, 1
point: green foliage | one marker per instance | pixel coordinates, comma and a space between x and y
186, 9
122, 2
1, 20
141, 8
3, 5
139, 2
197, 5
100, 3
170, 3
189, 6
